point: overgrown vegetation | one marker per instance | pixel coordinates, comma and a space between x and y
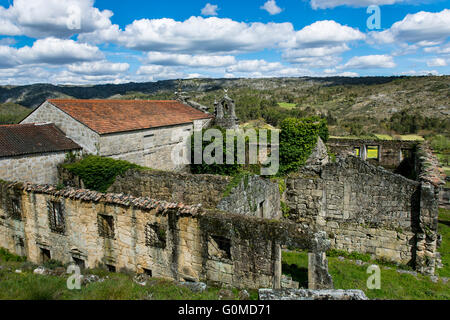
99, 173
298, 137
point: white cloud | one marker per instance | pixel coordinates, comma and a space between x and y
325, 4
52, 18
160, 72
369, 62
254, 66
49, 51
202, 61
210, 10
420, 73
271, 7
325, 33
437, 62
98, 68
445, 49
196, 35
422, 29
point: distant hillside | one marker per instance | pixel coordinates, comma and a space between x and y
352, 105
11, 113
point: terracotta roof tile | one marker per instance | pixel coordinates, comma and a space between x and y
111, 116
22, 139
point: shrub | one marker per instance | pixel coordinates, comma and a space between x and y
298, 137
7, 256
99, 173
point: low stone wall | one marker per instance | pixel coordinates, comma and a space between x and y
164, 239
36, 168
367, 209
391, 152
252, 196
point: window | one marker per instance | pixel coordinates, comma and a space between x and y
373, 152
357, 152
16, 211
105, 226
155, 236
405, 154
148, 272
261, 209
45, 255
56, 217
219, 247
111, 268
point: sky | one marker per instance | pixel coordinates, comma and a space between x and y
116, 41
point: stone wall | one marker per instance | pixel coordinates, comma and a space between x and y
253, 195
78, 132
367, 209
168, 240
151, 148
391, 152
36, 168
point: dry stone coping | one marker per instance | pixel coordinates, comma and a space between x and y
144, 203
306, 294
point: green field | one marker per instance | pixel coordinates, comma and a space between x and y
286, 105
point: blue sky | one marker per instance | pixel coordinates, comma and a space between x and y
110, 41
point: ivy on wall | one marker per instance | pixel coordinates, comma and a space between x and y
99, 173
298, 138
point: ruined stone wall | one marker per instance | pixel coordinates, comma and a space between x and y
253, 195
173, 187
35, 168
364, 208
171, 240
391, 152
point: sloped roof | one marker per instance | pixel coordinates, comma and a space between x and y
22, 139
112, 116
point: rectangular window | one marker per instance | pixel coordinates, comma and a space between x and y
148, 272
155, 236
219, 247
261, 209
79, 262
56, 217
16, 211
357, 152
45, 255
111, 268
105, 226
373, 152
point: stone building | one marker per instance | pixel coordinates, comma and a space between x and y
161, 239
30, 152
225, 113
387, 153
145, 132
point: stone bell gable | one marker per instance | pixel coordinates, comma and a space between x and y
225, 113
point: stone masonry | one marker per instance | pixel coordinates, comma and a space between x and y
164, 239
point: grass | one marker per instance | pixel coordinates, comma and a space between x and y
411, 137
348, 275
286, 105
116, 286
444, 230
394, 286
